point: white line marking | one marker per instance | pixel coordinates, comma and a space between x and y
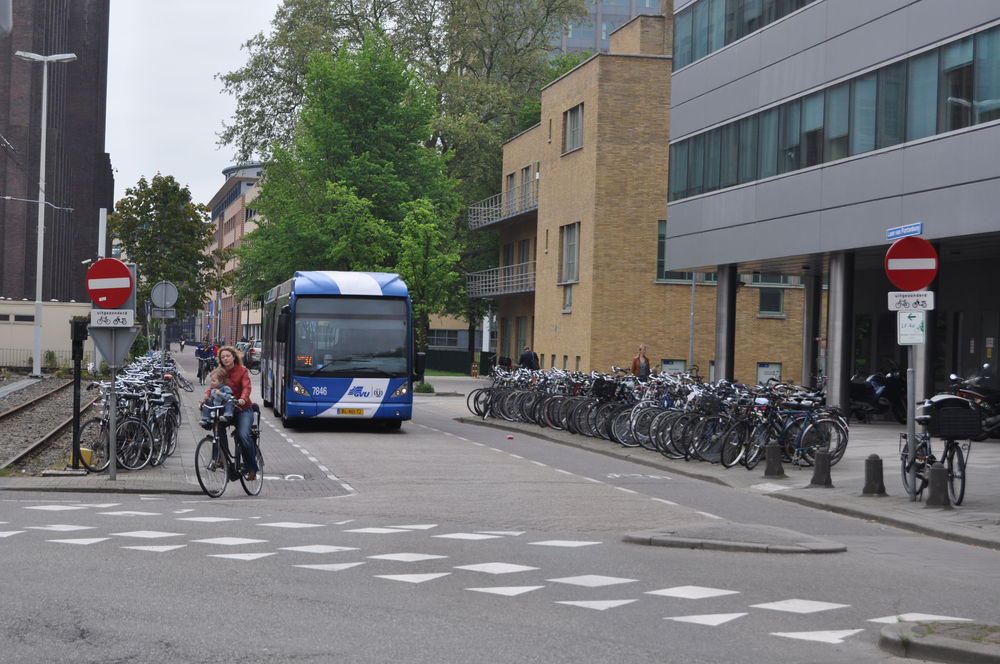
515, 456
662, 500
621, 488
710, 515
564, 472
539, 463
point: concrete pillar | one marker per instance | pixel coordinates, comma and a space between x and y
840, 330
812, 285
725, 322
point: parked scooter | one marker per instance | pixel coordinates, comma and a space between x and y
982, 390
879, 393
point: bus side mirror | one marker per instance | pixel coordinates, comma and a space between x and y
419, 365
281, 334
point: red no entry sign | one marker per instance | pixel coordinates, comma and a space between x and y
911, 263
109, 283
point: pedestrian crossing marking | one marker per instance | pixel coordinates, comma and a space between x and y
163, 548
799, 606
592, 580
406, 557
507, 591
82, 541
319, 548
692, 592
331, 567
412, 578
712, 620
917, 617
600, 605
497, 568
241, 556
830, 636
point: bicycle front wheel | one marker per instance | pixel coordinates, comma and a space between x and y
211, 467
134, 445
825, 435
954, 462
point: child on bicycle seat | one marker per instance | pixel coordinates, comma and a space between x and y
217, 394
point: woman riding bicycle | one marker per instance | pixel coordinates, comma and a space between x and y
238, 381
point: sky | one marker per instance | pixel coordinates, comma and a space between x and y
165, 107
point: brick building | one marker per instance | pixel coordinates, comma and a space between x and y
582, 221
78, 170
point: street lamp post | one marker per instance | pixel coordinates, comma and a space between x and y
36, 367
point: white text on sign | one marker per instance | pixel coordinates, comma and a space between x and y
911, 300
112, 317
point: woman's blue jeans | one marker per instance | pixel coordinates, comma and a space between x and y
243, 421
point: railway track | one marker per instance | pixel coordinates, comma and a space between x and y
30, 426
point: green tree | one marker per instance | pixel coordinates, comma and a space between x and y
337, 197
166, 235
427, 265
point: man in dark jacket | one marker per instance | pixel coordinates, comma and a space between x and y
527, 359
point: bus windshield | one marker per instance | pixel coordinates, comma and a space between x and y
350, 336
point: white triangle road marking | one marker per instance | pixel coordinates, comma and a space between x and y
830, 636
241, 556
157, 549
916, 617
84, 541
506, 591
712, 620
600, 605
412, 578
331, 567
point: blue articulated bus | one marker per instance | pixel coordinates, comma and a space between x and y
339, 345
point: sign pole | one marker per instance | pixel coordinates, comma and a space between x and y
112, 419
911, 420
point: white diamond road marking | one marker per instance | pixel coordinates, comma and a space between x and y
507, 591
207, 519
230, 541
163, 548
600, 605
799, 606
291, 524
147, 534
61, 527
319, 548
102, 506
83, 541
241, 556
419, 526
692, 592
130, 513
331, 567
769, 487
8, 533
917, 617
565, 543
55, 508
504, 533
377, 531
406, 557
467, 536
830, 636
592, 580
496, 568
412, 578
712, 620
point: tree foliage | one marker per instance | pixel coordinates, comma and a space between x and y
338, 197
166, 235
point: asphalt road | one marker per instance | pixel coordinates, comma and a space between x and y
448, 542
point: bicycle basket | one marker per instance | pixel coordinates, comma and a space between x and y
603, 388
954, 423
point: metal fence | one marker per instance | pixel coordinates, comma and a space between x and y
21, 358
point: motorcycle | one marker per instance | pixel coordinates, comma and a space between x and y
879, 393
982, 390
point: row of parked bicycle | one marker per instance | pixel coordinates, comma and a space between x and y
147, 416
678, 415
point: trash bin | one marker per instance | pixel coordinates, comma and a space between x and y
474, 371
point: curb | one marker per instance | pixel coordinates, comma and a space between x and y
907, 639
782, 540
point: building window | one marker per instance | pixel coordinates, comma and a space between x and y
921, 96
24, 318
573, 128
772, 301
987, 66
445, 338
567, 298
504, 337
569, 253
955, 110
522, 333
662, 273
891, 110
837, 125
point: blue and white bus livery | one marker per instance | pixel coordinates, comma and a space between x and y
339, 345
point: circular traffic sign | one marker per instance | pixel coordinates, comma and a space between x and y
163, 295
109, 283
911, 263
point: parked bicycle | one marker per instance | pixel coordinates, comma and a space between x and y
957, 421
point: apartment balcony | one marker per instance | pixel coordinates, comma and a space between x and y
506, 280
518, 202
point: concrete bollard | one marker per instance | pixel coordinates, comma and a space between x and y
821, 470
772, 455
874, 484
937, 487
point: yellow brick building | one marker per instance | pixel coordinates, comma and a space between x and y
582, 220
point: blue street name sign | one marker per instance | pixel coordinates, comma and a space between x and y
904, 231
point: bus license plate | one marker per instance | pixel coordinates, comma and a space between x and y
350, 411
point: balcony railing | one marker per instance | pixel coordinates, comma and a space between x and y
504, 205
505, 280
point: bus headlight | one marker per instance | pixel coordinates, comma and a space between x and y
298, 389
401, 391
